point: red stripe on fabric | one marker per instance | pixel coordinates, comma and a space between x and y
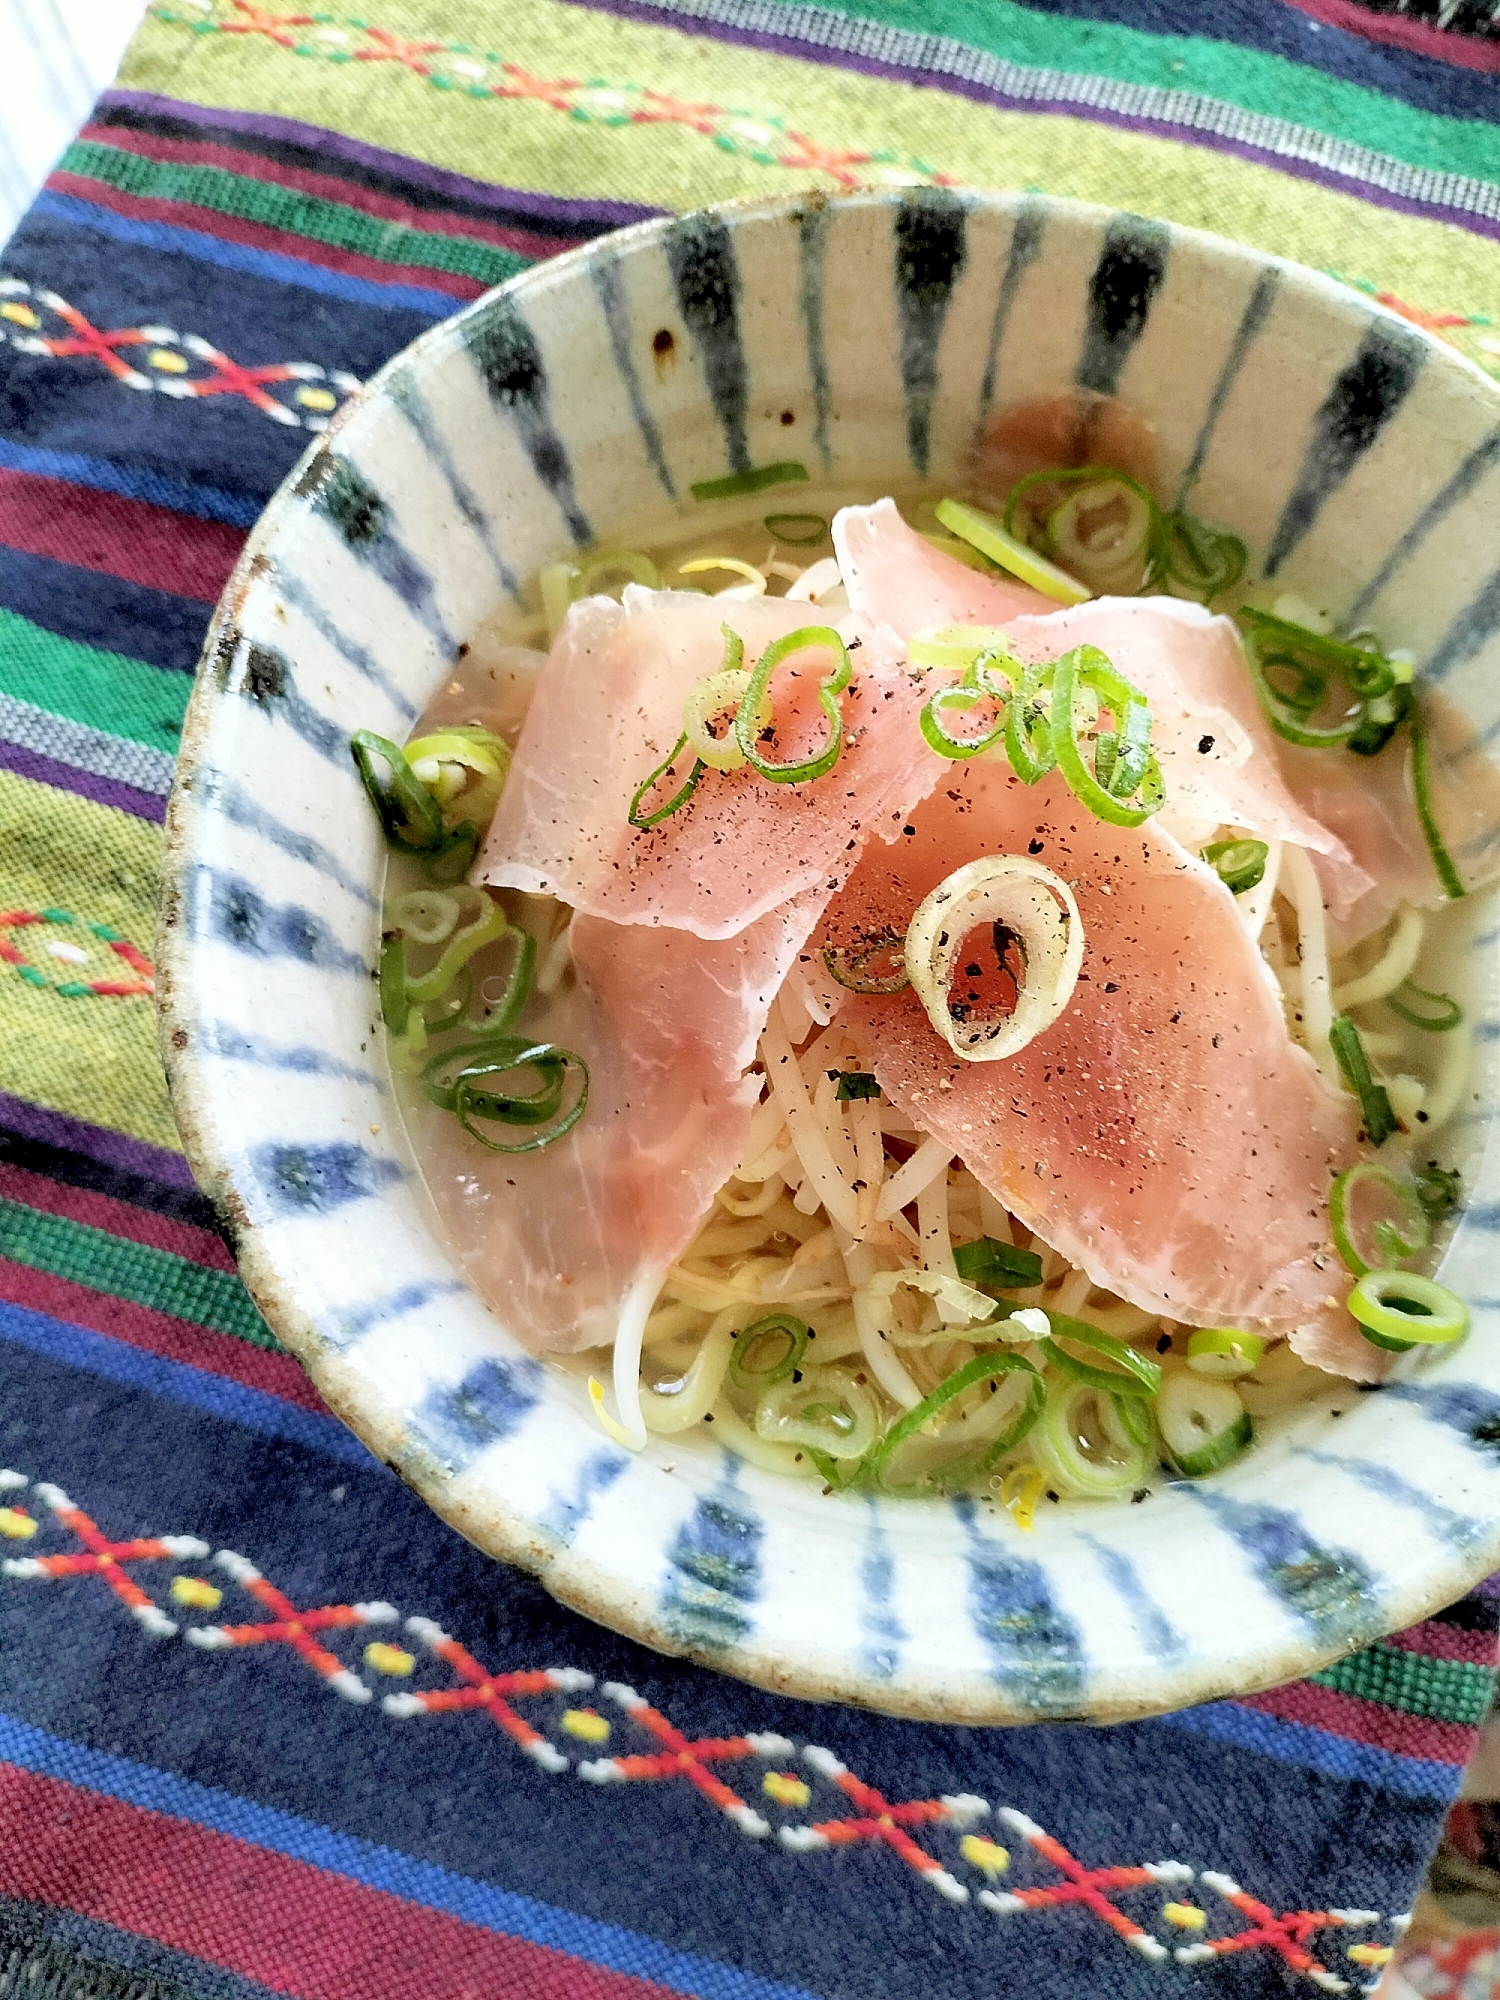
1366, 1722
257, 236
293, 1927
120, 1218
1399, 31
160, 1333
129, 539
328, 187
1447, 1642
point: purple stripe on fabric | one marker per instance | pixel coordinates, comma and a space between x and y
1003, 100
111, 1149
87, 784
1490, 1588
546, 207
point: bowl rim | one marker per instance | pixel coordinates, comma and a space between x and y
496, 1528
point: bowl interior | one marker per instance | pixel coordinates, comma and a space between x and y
866, 337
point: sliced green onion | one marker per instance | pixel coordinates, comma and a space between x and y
410, 816
1203, 560
1286, 712
717, 694
606, 563
989, 677
735, 567
1437, 1190
1400, 1309
798, 531
394, 1004
1132, 1374
1239, 864
472, 1100
1089, 1461
1435, 1024
440, 1077
961, 552
855, 1084
983, 532
474, 750
1394, 1241
460, 948
1224, 1351
859, 966
756, 480
455, 854
827, 1409
1379, 720
642, 821
1022, 905
1203, 1423
993, 1266
1028, 726
1442, 861
1134, 543
973, 1458
766, 1351
1374, 1104
953, 645
747, 728
1128, 766
426, 916
502, 1012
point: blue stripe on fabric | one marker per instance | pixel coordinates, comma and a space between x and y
117, 1361
1317, 1750
240, 257
385, 1869
104, 611
207, 503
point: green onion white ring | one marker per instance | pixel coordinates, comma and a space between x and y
718, 694
1203, 1423
1029, 900
1440, 1316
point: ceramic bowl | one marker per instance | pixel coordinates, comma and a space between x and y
1358, 459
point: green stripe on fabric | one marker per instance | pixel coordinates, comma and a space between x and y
300, 214
104, 691
155, 1278
1272, 85
1437, 1690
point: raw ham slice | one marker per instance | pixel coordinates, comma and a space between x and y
1216, 749
1189, 664
560, 1241
608, 709
899, 579
1165, 1134
1369, 803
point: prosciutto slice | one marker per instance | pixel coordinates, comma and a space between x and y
1370, 804
1216, 750
608, 709
899, 578
1165, 1134
560, 1241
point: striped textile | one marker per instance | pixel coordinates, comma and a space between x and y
214, 1778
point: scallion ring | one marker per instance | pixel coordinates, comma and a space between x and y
605, 564
983, 532
1450, 1016
1438, 1190
1393, 1240
747, 729
827, 1409
756, 578
502, 1008
410, 816
954, 645
973, 1456
992, 1266
767, 1351
986, 678
1442, 861
1354, 1066
1203, 1423
440, 1076
798, 531
1203, 560
472, 1101
1084, 1446
715, 695
391, 981
1239, 864
1025, 908
426, 916
461, 946
1224, 1351
1401, 1309
1125, 766
1028, 726
642, 822
875, 964
1104, 532
1131, 1374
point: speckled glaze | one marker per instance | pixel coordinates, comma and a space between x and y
1351, 452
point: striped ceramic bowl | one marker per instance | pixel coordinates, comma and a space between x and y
1356, 457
